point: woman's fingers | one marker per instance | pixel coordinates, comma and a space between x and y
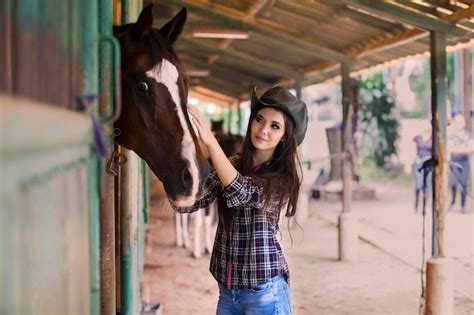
200, 122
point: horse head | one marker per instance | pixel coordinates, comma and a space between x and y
154, 122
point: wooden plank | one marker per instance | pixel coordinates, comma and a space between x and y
222, 71
220, 88
242, 58
400, 13
304, 8
236, 18
207, 95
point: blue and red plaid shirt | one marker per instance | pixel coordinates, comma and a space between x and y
250, 253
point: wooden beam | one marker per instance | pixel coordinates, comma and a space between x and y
222, 88
467, 13
381, 44
227, 73
398, 12
306, 9
254, 9
210, 95
236, 19
242, 58
226, 85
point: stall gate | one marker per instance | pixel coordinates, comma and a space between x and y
49, 167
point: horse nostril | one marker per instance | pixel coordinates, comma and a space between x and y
186, 178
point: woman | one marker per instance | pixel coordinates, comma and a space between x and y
423, 153
251, 190
459, 146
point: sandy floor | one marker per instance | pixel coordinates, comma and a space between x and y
378, 283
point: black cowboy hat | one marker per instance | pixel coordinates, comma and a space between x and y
280, 98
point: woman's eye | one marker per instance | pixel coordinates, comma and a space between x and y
275, 126
258, 119
142, 86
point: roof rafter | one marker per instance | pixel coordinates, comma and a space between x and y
236, 19
223, 71
269, 66
405, 15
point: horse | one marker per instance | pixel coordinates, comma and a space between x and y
154, 122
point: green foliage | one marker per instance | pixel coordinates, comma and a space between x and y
420, 83
369, 171
378, 122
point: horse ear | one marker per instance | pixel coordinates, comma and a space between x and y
173, 28
144, 22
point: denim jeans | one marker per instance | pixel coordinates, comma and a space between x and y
267, 298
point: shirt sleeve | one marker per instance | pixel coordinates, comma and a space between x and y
212, 186
243, 191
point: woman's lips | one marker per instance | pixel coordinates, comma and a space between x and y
260, 139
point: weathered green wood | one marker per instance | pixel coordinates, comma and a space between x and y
438, 109
88, 12
43, 209
408, 16
6, 75
107, 70
313, 49
131, 202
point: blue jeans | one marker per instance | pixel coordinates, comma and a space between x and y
267, 298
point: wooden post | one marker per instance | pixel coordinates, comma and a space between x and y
348, 231
467, 82
439, 285
107, 203
303, 197
346, 140
129, 208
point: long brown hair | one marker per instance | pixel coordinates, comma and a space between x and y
279, 177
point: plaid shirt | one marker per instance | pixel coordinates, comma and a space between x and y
250, 253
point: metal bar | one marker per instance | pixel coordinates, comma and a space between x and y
346, 139
112, 109
438, 111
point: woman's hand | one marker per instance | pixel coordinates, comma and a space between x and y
225, 170
202, 126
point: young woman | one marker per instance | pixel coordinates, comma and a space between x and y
252, 189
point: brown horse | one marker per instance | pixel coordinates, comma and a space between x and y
154, 122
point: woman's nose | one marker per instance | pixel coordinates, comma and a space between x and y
264, 129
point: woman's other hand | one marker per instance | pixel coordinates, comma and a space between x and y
202, 126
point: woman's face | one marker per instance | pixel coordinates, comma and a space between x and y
267, 129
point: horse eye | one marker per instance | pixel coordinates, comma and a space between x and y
142, 86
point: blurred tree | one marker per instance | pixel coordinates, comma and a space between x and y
420, 83
378, 122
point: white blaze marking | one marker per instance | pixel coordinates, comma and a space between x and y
167, 74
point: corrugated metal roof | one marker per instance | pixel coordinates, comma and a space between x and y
300, 41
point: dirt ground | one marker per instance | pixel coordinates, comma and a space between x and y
379, 283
